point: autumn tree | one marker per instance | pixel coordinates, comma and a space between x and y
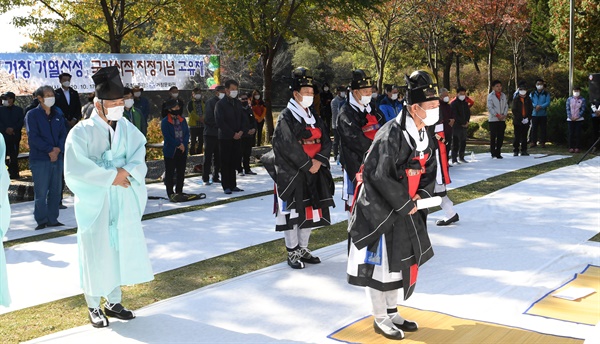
516, 35
106, 21
488, 19
262, 26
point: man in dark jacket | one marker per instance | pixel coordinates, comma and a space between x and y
67, 100
462, 115
46, 134
522, 108
211, 139
248, 138
447, 118
11, 123
232, 125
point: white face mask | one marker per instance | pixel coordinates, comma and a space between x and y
576, 94
197, 96
257, 97
66, 84
374, 95
343, 94
307, 101
114, 113
137, 94
174, 95
394, 96
5, 102
539, 87
233, 94
433, 116
522, 92
221, 95
365, 100
461, 97
446, 99
129, 103
49, 102
325, 89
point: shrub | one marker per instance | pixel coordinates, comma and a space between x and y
472, 128
154, 135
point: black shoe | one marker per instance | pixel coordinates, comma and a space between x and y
42, 226
250, 173
499, 156
116, 310
228, 191
524, 154
216, 180
406, 326
463, 161
388, 329
516, 154
447, 222
236, 189
61, 206
307, 257
97, 318
295, 259
57, 224
241, 173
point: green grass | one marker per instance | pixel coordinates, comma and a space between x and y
70, 312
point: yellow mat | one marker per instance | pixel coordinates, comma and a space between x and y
584, 311
441, 328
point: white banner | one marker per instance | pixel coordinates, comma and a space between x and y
23, 73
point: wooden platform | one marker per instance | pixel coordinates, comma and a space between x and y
584, 311
441, 328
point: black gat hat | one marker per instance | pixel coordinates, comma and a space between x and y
301, 77
108, 83
420, 88
360, 79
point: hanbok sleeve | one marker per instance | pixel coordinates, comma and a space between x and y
136, 154
286, 146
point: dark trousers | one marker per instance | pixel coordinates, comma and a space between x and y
596, 129
459, 142
197, 140
211, 151
231, 154
520, 141
259, 133
12, 152
541, 123
175, 166
575, 128
46, 189
247, 143
496, 137
336, 143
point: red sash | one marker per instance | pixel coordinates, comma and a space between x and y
414, 179
312, 145
370, 129
443, 156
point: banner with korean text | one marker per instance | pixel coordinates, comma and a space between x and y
23, 73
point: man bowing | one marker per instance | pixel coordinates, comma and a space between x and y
105, 169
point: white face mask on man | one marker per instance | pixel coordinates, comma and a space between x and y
432, 116
394, 96
129, 103
137, 94
307, 101
114, 113
576, 94
446, 99
233, 94
66, 84
522, 92
49, 101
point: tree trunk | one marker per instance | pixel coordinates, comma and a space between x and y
268, 85
476, 65
447, 65
458, 70
490, 67
115, 45
516, 62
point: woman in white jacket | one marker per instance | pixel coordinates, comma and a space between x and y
498, 110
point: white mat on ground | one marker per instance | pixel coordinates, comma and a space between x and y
23, 224
509, 249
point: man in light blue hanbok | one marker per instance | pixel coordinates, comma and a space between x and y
4, 222
105, 169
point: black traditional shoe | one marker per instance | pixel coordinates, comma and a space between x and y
57, 224
516, 154
449, 221
236, 189
61, 206
241, 173
463, 161
228, 191
295, 259
42, 226
403, 324
499, 156
387, 329
97, 318
116, 310
307, 257
524, 154
250, 173
216, 180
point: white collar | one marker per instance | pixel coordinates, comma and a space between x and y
300, 113
415, 133
357, 106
